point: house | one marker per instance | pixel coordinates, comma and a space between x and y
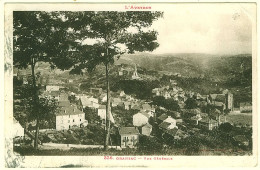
129, 97
166, 126
147, 129
161, 118
241, 140
127, 105
226, 99
116, 102
155, 91
129, 136
245, 107
195, 119
94, 102
102, 114
69, 116
170, 120
197, 96
215, 114
18, 130
176, 134
135, 106
103, 97
55, 95
52, 88
149, 109
176, 114
87, 101
140, 119
122, 93
207, 123
120, 73
146, 106
63, 97
51, 95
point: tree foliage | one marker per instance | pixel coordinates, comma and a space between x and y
169, 104
191, 103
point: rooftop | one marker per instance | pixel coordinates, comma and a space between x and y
85, 101
164, 125
128, 131
68, 110
148, 125
170, 120
146, 106
163, 117
143, 113
208, 120
102, 107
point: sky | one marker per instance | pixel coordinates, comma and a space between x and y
206, 28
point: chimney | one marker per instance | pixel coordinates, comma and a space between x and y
73, 109
64, 111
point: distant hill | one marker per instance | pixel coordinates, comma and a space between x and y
190, 64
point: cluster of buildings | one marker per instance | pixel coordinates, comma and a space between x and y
174, 127
70, 114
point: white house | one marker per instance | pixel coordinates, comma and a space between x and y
87, 101
94, 102
52, 88
116, 102
18, 130
103, 97
140, 119
127, 105
69, 116
147, 129
129, 136
102, 114
167, 126
148, 109
122, 93
171, 121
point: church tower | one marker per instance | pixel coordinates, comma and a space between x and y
135, 75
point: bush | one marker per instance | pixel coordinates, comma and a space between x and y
149, 145
226, 127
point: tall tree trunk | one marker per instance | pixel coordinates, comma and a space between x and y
107, 111
35, 108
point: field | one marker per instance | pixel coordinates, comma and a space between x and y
240, 118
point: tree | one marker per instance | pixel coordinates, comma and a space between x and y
226, 127
91, 115
33, 42
191, 103
149, 145
46, 108
110, 30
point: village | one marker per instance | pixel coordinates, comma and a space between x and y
80, 117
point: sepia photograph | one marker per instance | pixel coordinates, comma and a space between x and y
129, 82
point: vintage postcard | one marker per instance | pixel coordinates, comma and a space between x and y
129, 84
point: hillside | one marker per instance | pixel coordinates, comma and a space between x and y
190, 64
